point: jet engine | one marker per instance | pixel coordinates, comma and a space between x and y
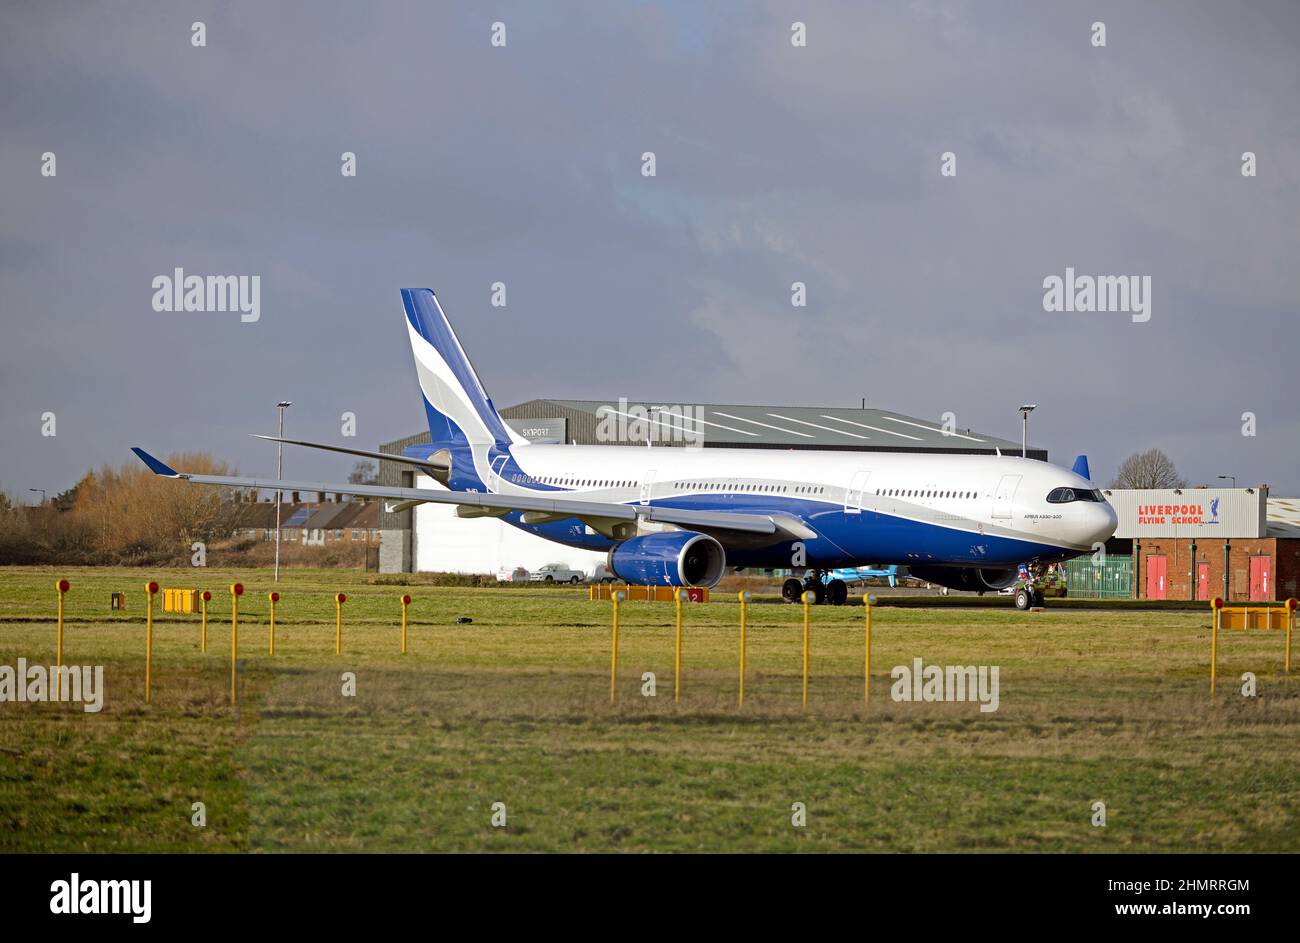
971, 579
670, 558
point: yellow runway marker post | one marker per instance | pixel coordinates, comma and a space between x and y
274, 598
406, 601
807, 615
1216, 606
1291, 605
866, 670
61, 586
204, 598
617, 597
677, 649
236, 590
339, 600
150, 589
744, 598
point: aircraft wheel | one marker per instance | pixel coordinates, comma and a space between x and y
837, 592
791, 589
818, 591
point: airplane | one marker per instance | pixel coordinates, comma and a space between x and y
678, 516
860, 574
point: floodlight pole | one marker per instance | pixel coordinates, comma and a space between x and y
279, 469
1227, 477
1025, 410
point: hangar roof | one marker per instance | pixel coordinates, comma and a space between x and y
735, 426
1284, 517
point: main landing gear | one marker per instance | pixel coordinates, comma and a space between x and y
836, 592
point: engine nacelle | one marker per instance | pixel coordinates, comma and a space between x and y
671, 558
970, 579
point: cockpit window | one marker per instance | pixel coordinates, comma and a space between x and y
1066, 495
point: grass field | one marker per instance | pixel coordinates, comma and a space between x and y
514, 708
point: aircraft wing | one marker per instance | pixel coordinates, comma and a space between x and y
436, 465
616, 521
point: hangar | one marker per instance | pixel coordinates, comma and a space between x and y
430, 538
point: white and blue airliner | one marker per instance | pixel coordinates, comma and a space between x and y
678, 516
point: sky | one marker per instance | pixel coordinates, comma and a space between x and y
774, 164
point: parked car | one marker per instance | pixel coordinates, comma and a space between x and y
603, 574
518, 575
556, 573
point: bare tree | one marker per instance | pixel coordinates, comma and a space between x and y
1149, 469
364, 473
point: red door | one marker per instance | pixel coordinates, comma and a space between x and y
1261, 587
1156, 582
1203, 581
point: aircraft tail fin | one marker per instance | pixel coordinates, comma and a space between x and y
1081, 467
459, 410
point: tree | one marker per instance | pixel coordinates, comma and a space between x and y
1149, 469
364, 473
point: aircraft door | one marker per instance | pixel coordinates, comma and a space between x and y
857, 488
1003, 496
646, 485
497, 466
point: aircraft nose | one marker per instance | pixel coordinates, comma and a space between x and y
1102, 521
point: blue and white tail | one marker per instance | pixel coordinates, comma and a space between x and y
463, 423
460, 411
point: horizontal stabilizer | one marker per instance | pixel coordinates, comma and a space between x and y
155, 466
438, 462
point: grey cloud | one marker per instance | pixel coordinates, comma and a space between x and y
775, 165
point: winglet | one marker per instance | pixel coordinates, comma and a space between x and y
1081, 467
155, 466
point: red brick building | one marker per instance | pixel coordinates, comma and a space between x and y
1198, 543
1257, 570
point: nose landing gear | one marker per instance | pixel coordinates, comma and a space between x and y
1028, 597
